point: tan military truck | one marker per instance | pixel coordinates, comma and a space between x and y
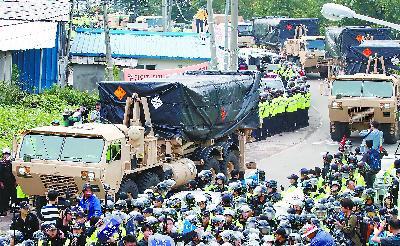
134, 156
308, 52
356, 100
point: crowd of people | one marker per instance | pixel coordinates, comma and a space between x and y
335, 203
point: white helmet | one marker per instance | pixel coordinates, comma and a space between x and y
6, 151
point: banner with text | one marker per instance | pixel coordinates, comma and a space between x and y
140, 74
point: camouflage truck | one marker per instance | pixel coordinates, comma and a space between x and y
356, 100
308, 52
245, 34
156, 129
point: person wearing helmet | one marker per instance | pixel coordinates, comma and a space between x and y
259, 199
229, 220
226, 200
318, 237
89, 202
204, 178
220, 181
272, 191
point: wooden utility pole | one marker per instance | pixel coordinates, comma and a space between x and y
213, 48
226, 45
234, 35
109, 64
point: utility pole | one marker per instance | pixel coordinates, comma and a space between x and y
109, 63
234, 35
169, 16
226, 45
71, 16
164, 9
213, 48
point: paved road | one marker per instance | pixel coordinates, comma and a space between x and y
282, 155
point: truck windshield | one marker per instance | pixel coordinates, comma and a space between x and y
316, 45
245, 30
62, 148
359, 88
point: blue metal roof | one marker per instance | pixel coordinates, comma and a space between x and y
136, 44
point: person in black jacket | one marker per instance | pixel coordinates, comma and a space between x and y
25, 222
7, 182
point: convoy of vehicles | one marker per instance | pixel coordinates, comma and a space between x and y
171, 128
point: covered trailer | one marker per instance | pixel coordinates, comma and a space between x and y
358, 56
274, 31
197, 106
340, 39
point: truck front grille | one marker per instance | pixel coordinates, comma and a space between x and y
361, 114
61, 184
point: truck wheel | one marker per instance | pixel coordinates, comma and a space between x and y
147, 180
341, 129
128, 185
230, 163
388, 138
212, 164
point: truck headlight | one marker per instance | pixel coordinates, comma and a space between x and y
91, 176
86, 175
24, 171
385, 105
337, 105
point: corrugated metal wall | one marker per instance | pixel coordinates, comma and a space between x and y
38, 68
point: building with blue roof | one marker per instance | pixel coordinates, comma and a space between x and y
132, 49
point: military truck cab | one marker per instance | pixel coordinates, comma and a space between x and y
308, 52
356, 100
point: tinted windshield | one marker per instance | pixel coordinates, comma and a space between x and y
359, 88
51, 147
245, 30
316, 44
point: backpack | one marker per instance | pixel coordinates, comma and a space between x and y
374, 160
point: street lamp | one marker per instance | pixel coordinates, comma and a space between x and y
337, 12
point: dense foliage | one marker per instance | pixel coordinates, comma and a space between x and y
20, 110
184, 10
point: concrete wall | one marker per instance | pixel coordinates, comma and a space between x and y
86, 76
5, 66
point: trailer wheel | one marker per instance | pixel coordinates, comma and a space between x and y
129, 186
212, 164
387, 136
147, 180
231, 162
341, 129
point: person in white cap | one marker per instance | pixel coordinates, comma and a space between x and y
7, 182
317, 236
6, 154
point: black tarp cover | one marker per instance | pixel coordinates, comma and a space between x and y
275, 31
194, 107
358, 56
340, 39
